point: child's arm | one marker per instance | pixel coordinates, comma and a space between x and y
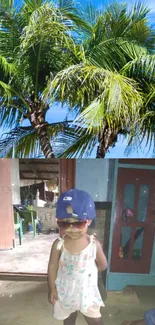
101, 260
52, 272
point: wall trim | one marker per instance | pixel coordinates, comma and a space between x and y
136, 166
112, 218
118, 281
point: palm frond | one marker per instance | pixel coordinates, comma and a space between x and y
140, 28
72, 16
107, 55
108, 95
143, 142
92, 14
8, 68
88, 65
13, 107
7, 4
26, 147
42, 23
46, 46
117, 21
8, 92
11, 114
9, 140
140, 68
23, 142
131, 48
9, 31
150, 100
68, 5
72, 144
139, 11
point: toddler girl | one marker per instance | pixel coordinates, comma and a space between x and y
75, 261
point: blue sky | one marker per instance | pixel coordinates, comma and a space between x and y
58, 114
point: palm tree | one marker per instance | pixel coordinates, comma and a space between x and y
105, 73
36, 43
112, 86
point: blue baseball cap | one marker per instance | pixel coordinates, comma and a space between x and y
81, 204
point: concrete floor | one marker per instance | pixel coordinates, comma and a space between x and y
32, 256
25, 303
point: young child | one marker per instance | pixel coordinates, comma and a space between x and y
75, 261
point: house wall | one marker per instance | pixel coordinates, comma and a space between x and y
92, 175
97, 178
118, 281
6, 208
15, 179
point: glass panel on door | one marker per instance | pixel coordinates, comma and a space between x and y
138, 243
143, 203
129, 201
125, 243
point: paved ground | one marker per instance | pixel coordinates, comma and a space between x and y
32, 256
25, 303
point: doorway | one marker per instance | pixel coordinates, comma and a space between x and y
40, 183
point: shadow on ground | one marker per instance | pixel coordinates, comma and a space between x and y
25, 303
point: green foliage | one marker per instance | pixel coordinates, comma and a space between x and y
100, 63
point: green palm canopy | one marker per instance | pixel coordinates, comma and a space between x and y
100, 64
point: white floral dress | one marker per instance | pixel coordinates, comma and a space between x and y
77, 279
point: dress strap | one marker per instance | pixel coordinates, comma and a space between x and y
93, 246
60, 243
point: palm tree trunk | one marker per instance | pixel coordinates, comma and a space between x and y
37, 120
45, 142
107, 138
100, 151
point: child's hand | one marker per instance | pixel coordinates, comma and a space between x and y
53, 296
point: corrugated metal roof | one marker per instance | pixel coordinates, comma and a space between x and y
41, 169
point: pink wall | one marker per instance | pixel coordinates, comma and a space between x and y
6, 208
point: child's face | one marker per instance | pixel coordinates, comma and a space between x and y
73, 230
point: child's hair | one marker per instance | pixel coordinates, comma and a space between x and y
75, 204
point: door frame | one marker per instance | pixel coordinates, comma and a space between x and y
129, 265
117, 281
67, 174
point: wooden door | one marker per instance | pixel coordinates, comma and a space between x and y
67, 177
67, 174
134, 221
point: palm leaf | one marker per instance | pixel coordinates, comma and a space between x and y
142, 67
91, 14
119, 104
9, 31
71, 144
8, 68
141, 141
13, 106
23, 142
10, 139
108, 95
107, 55
139, 11
7, 4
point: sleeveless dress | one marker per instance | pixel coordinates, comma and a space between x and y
77, 280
